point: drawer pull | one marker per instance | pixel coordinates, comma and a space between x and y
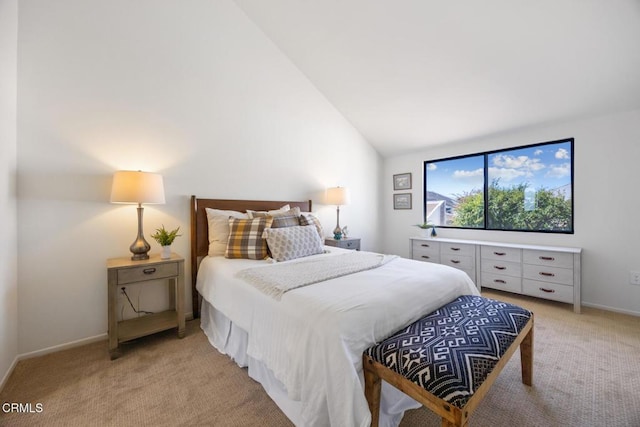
547, 258
500, 281
549, 291
544, 273
424, 245
426, 256
500, 253
149, 270
455, 261
455, 249
499, 267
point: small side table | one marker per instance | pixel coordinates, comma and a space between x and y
346, 243
124, 271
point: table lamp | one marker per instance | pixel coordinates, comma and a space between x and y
138, 187
338, 196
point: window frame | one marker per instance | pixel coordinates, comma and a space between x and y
486, 186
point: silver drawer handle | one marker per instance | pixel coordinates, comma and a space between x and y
549, 291
499, 267
455, 249
455, 261
425, 256
544, 273
500, 253
500, 281
547, 258
149, 270
424, 245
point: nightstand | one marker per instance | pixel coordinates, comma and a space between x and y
346, 243
124, 271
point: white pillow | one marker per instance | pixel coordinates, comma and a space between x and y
218, 221
275, 211
293, 242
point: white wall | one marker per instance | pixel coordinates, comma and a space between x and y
607, 150
9, 242
190, 89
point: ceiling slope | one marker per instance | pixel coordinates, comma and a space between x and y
413, 73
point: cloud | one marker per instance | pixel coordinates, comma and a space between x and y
507, 174
538, 152
520, 165
432, 167
559, 171
562, 153
466, 174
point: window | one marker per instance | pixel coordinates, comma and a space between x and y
528, 188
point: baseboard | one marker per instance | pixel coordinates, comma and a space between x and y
8, 373
61, 347
614, 309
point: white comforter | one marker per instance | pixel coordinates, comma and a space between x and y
313, 338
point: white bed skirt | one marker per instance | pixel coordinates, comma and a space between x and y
232, 341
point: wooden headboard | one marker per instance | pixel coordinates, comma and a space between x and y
199, 228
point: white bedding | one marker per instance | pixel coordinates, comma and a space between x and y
313, 338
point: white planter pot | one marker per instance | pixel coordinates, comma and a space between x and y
165, 253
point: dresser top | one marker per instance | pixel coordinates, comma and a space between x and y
501, 244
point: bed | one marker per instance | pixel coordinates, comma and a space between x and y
305, 347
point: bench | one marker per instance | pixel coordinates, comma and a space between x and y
448, 360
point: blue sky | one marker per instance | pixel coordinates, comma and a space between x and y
547, 166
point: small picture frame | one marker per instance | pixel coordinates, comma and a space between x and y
402, 181
402, 201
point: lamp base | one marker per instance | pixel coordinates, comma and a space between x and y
140, 248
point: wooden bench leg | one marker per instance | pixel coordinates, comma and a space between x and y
526, 358
372, 386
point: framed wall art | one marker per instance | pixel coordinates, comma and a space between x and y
402, 181
402, 201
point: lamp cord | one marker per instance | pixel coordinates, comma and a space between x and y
124, 291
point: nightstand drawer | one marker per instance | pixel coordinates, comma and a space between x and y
147, 272
346, 243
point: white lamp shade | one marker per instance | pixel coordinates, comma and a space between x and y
338, 196
137, 187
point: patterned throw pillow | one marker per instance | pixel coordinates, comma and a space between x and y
307, 218
289, 218
254, 214
293, 242
218, 222
245, 238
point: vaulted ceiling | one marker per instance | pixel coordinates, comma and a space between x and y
412, 73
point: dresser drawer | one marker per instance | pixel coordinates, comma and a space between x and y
426, 251
553, 259
501, 253
457, 261
548, 274
553, 291
501, 282
456, 249
147, 272
501, 267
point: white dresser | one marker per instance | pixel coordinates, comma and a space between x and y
550, 272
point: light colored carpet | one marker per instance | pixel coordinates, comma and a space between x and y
586, 373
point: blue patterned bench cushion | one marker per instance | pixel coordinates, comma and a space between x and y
451, 351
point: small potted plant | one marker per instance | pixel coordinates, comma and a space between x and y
165, 239
425, 226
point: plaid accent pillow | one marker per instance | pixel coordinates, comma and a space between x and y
307, 218
289, 218
245, 238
